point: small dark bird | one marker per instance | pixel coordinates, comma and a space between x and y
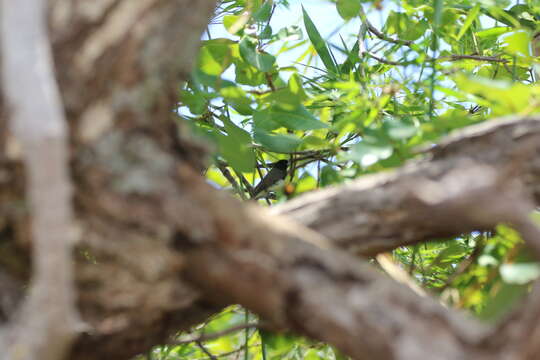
277, 172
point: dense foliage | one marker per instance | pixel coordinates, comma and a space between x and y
355, 101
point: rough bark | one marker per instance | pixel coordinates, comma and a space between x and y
318, 291
377, 213
159, 249
46, 323
119, 65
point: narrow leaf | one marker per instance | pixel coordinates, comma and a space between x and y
469, 20
318, 43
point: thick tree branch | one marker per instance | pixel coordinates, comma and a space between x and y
46, 323
133, 219
253, 250
375, 214
322, 293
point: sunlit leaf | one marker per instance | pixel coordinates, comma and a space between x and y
238, 99
260, 59
215, 56
235, 23
398, 129
236, 147
318, 43
290, 33
518, 43
297, 119
279, 143
368, 153
348, 9
264, 12
473, 14
493, 32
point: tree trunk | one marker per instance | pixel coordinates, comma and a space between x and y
119, 65
159, 250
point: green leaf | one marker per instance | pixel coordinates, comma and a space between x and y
503, 16
238, 99
297, 119
503, 301
266, 33
352, 58
367, 153
285, 99
236, 147
438, 7
503, 96
305, 183
247, 74
289, 98
296, 87
312, 142
290, 33
330, 176
262, 119
278, 345
348, 9
450, 254
212, 81
518, 43
215, 56
318, 43
235, 23
473, 14
261, 60
404, 27
279, 143
399, 130
493, 32
311, 354
264, 12
194, 101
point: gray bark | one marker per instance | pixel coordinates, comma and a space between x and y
160, 249
46, 323
379, 213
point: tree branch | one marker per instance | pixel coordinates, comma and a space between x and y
357, 309
218, 334
384, 216
47, 322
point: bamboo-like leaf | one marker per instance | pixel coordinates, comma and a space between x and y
318, 43
469, 20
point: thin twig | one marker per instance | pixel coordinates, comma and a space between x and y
494, 59
227, 174
218, 334
246, 183
372, 29
384, 61
205, 350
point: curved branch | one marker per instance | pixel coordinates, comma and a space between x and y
322, 293
375, 214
